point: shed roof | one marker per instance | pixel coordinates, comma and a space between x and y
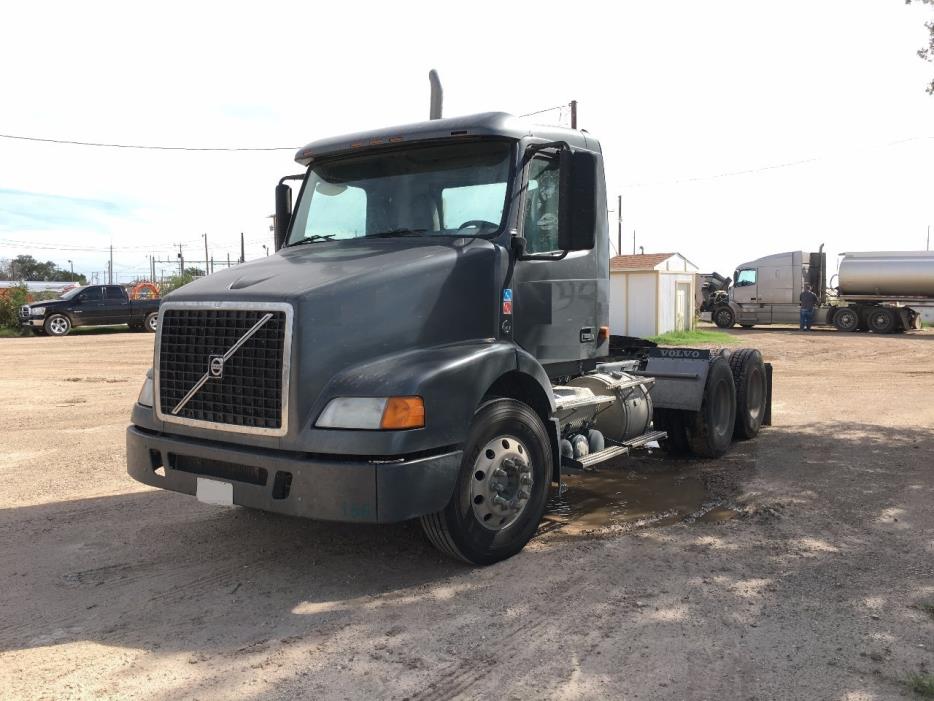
642, 261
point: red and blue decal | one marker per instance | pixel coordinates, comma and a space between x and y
507, 301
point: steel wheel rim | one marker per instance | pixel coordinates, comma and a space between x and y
58, 325
723, 317
501, 483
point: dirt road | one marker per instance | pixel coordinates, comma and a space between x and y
800, 567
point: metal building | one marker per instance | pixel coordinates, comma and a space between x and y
651, 294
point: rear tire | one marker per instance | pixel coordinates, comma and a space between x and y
710, 430
751, 395
507, 455
672, 421
882, 320
151, 324
846, 319
724, 317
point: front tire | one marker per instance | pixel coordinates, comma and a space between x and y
57, 325
500, 495
724, 317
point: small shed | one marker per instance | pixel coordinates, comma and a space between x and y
651, 294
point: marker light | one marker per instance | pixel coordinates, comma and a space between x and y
403, 412
373, 413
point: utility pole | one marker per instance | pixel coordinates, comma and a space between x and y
633, 242
73, 265
152, 269
619, 225
242, 249
181, 261
110, 267
929, 239
205, 237
573, 114
212, 265
228, 260
266, 248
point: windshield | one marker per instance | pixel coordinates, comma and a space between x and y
453, 189
71, 293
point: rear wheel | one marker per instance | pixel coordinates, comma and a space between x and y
710, 430
724, 317
751, 396
151, 323
672, 421
846, 319
502, 488
882, 320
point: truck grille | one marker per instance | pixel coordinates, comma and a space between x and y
250, 393
24, 311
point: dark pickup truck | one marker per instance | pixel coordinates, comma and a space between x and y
94, 305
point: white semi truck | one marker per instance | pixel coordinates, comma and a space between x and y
877, 291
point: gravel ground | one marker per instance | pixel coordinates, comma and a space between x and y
799, 567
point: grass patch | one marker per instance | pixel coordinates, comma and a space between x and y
688, 338
6, 332
921, 684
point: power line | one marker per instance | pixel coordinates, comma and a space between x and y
148, 146
549, 109
762, 169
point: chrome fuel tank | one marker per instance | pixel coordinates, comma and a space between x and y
887, 273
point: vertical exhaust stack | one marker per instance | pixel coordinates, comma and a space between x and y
437, 94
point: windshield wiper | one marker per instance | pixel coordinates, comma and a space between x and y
314, 238
397, 232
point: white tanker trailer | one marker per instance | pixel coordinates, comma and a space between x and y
878, 291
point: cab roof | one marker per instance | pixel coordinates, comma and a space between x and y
490, 124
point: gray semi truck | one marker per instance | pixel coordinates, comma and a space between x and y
875, 291
429, 341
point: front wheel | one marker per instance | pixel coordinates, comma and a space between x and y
57, 325
724, 317
500, 495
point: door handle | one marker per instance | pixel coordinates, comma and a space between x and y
587, 334
752, 299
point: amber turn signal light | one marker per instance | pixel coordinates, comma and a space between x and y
403, 412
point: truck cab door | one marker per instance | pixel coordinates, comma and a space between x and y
746, 297
87, 308
554, 299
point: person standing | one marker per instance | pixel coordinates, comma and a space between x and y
809, 301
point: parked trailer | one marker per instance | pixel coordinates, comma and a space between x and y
876, 291
429, 341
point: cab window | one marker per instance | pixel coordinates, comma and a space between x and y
541, 212
92, 294
113, 294
745, 277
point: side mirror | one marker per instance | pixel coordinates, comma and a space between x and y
577, 200
283, 213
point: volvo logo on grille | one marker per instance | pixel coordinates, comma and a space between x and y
216, 365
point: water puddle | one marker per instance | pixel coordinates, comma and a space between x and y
614, 499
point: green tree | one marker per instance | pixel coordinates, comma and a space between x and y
927, 52
27, 268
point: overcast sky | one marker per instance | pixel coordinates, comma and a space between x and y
694, 104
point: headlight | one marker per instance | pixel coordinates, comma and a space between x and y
373, 413
145, 394
37, 311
